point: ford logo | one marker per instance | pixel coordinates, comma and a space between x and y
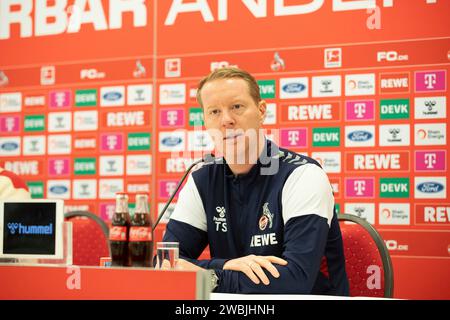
359, 136
58, 189
9, 146
430, 187
112, 96
171, 141
294, 87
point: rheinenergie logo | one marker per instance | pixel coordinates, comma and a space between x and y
19, 228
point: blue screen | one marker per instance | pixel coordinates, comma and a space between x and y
29, 228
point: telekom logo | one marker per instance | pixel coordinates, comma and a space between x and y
435, 80
58, 166
359, 186
60, 99
360, 110
430, 80
111, 142
172, 117
109, 209
293, 137
430, 160
10, 123
170, 188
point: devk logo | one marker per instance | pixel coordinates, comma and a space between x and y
18, 228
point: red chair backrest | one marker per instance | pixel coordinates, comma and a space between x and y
89, 242
363, 262
367, 260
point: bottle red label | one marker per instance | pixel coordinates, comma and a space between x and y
140, 234
118, 233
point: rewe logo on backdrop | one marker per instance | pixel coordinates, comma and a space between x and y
25, 168
310, 112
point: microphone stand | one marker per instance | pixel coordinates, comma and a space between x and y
208, 158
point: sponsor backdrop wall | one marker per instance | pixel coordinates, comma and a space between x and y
98, 97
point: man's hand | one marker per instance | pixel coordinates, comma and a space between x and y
252, 266
187, 266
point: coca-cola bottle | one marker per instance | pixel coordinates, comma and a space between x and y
141, 234
118, 233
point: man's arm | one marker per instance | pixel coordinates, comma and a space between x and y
12, 187
303, 252
187, 226
192, 241
307, 211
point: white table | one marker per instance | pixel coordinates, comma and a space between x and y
232, 296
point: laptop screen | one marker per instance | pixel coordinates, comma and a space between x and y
31, 229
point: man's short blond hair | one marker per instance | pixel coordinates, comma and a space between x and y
231, 73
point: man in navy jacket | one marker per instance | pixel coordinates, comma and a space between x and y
267, 213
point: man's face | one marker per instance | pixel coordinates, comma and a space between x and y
232, 117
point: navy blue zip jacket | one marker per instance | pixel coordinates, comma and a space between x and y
283, 206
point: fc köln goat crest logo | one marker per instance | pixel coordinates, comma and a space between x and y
266, 218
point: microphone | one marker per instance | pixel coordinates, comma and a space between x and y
208, 159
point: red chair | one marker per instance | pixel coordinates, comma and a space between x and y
367, 260
90, 238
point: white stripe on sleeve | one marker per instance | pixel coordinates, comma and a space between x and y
307, 191
189, 208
